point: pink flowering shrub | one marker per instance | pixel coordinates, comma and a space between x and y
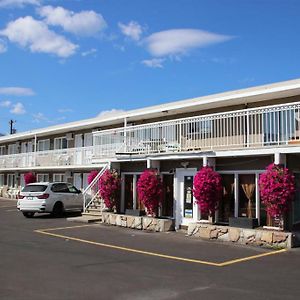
277, 189
207, 190
92, 176
109, 186
29, 178
149, 188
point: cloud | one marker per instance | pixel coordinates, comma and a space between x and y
84, 23
110, 113
18, 109
35, 35
64, 110
16, 91
5, 103
89, 52
180, 41
40, 117
132, 30
18, 3
3, 47
153, 63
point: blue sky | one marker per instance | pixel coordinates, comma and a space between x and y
62, 61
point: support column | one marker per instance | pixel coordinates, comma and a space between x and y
153, 164
115, 166
209, 162
280, 158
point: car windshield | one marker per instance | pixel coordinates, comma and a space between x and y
34, 188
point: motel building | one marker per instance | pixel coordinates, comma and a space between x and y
238, 133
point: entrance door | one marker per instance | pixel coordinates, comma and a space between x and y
168, 195
186, 208
128, 192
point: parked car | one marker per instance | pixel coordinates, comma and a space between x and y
45, 197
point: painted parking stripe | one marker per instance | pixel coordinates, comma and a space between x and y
183, 259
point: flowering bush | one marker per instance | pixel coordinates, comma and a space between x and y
92, 176
109, 186
29, 178
149, 188
207, 190
277, 189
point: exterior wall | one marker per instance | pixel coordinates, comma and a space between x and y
134, 166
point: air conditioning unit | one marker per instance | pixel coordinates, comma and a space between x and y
69, 136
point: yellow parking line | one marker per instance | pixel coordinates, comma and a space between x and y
196, 261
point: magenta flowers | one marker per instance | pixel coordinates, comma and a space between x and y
149, 188
109, 186
92, 176
207, 190
29, 178
277, 189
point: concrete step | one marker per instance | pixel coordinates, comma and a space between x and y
85, 219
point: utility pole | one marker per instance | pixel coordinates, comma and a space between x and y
11, 126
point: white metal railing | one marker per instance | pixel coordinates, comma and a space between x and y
61, 157
248, 128
92, 190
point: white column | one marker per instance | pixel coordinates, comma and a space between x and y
209, 162
257, 199
279, 158
236, 195
134, 192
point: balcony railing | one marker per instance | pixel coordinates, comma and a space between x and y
62, 157
249, 128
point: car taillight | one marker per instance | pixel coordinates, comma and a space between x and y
44, 196
20, 196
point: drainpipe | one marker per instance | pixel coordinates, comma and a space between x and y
35, 148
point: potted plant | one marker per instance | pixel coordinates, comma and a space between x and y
207, 190
277, 190
149, 188
109, 186
29, 178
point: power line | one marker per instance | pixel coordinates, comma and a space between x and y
11, 126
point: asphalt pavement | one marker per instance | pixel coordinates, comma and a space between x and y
51, 258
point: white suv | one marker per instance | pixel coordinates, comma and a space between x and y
45, 197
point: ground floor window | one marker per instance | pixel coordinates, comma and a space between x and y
2, 183
131, 199
247, 201
77, 180
58, 177
296, 203
42, 177
11, 180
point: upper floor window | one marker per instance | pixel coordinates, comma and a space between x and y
12, 149
60, 143
43, 145
2, 150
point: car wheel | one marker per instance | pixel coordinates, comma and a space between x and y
58, 209
28, 214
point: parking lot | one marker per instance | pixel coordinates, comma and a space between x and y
51, 258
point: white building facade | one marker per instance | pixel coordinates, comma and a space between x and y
238, 133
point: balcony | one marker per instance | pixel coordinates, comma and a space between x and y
51, 158
249, 128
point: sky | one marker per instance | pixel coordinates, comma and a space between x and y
62, 61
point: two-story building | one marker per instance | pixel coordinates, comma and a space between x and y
238, 133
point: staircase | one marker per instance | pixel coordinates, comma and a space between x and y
93, 204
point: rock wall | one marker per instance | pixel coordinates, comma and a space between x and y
256, 237
136, 222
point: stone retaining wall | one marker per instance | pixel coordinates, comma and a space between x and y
256, 237
137, 222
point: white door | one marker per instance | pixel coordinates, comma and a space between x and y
77, 181
186, 208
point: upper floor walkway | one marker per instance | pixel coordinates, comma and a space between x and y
265, 127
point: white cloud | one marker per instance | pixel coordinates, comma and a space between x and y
18, 3
3, 47
153, 63
18, 109
84, 23
16, 91
132, 30
28, 32
5, 103
38, 117
89, 52
110, 113
180, 41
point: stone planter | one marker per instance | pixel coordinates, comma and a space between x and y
255, 237
138, 222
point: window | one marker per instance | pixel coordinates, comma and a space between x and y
42, 177
2, 150
73, 190
11, 180
43, 145
12, 149
1, 180
34, 188
58, 177
60, 188
60, 143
